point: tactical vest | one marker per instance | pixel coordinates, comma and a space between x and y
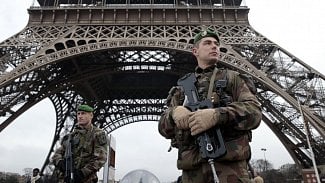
84, 145
188, 157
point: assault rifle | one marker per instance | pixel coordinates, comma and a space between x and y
210, 142
68, 174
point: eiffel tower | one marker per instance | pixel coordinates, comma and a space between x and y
123, 56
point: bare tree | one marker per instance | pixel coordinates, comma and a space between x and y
28, 171
291, 172
261, 165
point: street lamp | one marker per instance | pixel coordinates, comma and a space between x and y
264, 149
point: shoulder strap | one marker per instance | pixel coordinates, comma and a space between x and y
211, 84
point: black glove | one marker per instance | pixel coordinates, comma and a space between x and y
78, 176
61, 165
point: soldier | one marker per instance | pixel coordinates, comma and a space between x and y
89, 149
235, 120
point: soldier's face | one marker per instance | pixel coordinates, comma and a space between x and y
84, 118
207, 51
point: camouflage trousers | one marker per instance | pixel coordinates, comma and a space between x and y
228, 172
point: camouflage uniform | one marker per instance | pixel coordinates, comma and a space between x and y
89, 150
236, 122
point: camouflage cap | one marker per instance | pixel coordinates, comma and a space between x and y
206, 33
85, 108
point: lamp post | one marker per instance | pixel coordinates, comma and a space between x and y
264, 149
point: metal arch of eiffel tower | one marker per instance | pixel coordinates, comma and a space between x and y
123, 57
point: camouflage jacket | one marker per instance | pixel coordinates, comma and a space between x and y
89, 149
236, 121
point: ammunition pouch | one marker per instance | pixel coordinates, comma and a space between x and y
189, 158
188, 152
237, 149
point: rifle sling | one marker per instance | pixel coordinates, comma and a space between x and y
211, 84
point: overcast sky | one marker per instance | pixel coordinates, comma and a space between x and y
295, 25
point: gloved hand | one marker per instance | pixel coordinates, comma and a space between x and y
61, 165
202, 120
78, 176
180, 116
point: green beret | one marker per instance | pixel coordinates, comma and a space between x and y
206, 33
85, 108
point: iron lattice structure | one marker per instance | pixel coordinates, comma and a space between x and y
123, 57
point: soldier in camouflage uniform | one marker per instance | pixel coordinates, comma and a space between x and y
89, 149
236, 120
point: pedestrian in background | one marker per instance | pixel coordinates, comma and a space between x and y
36, 177
258, 178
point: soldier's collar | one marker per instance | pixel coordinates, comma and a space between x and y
87, 128
208, 69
